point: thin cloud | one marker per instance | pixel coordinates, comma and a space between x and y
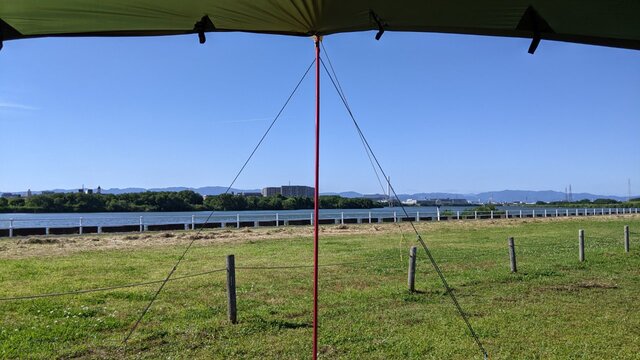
15, 106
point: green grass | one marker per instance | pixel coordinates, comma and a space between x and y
554, 307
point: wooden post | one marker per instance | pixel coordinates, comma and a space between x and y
626, 238
232, 311
581, 245
412, 269
512, 255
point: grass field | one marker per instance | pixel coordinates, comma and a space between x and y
554, 308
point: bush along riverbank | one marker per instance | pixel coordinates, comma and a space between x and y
170, 201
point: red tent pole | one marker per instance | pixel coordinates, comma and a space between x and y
316, 203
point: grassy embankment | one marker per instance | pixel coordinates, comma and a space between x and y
555, 307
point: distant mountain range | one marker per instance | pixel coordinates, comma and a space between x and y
495, 196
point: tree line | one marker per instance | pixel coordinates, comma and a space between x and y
597, 203
186, 200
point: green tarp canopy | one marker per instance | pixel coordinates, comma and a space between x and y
602, 22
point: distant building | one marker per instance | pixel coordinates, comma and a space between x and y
271, 191
250, 193
289, 191
297, 190
446, 202
29, 193
46, 193
99, 190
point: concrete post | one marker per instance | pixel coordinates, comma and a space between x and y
512, 255
417, 216
342, 218
80, 228
438, 213
238, 221
626, 238
581, 245
10, 227
369, 217
412, 269
232, 311
491, 214
277, 220
395, 217
458, 215
193, 222
141, 224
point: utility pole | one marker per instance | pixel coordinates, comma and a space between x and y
570, 194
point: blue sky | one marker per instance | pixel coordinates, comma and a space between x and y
442, 112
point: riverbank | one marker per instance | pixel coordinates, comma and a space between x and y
60, 245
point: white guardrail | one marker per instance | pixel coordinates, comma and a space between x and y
80, 225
